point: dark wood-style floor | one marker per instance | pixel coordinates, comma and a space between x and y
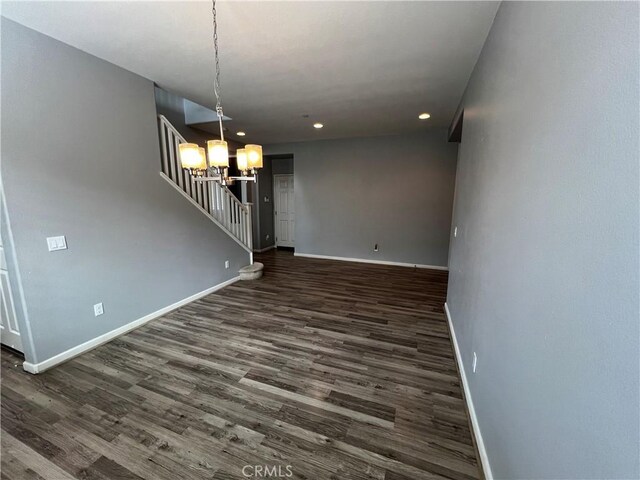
338, 370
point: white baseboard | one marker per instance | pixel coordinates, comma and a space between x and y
265, 249
366, 260
484, 459
95, 342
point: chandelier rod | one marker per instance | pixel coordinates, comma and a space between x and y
216, 81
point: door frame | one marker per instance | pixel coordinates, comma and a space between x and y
11, 331
275, 217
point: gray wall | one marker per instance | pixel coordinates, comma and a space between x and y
544, 271
80, 157
396, 191
282, 166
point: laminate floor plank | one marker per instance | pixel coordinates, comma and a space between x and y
325, 369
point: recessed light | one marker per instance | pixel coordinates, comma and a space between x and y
318, 125
424, 116
241, 134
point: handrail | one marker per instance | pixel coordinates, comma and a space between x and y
215, 199
166, 121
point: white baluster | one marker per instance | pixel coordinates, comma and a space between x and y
243, 224
175, 160
163, 139
236, 223
227, 210
249, 242
224, 209
233, 209
172, 163
206, 193
195, 188
214, 199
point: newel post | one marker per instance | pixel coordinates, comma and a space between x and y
249, 225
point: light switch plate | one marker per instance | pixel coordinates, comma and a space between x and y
226, 264
56, 243
98, 309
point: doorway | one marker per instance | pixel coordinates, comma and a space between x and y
9, 330
284, 212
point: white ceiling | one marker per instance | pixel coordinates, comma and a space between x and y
360, 68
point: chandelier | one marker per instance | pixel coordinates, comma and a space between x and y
213, 165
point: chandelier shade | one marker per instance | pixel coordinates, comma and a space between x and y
190, 156
241, 158
254, 155
218, 153
203, 158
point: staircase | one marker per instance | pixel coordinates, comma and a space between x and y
214, 200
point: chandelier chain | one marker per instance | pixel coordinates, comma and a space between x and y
214, 164
216, 81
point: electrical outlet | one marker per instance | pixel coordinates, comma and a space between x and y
98, 309
226, 264
267, 236
455, 231
375, 247
475, 362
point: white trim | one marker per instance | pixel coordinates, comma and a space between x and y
266, 249
484, 458
202, 210
93, 343
366, 260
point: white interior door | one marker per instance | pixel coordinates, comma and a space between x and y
9, 331
285, 219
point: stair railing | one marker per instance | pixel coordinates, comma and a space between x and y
214, 199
